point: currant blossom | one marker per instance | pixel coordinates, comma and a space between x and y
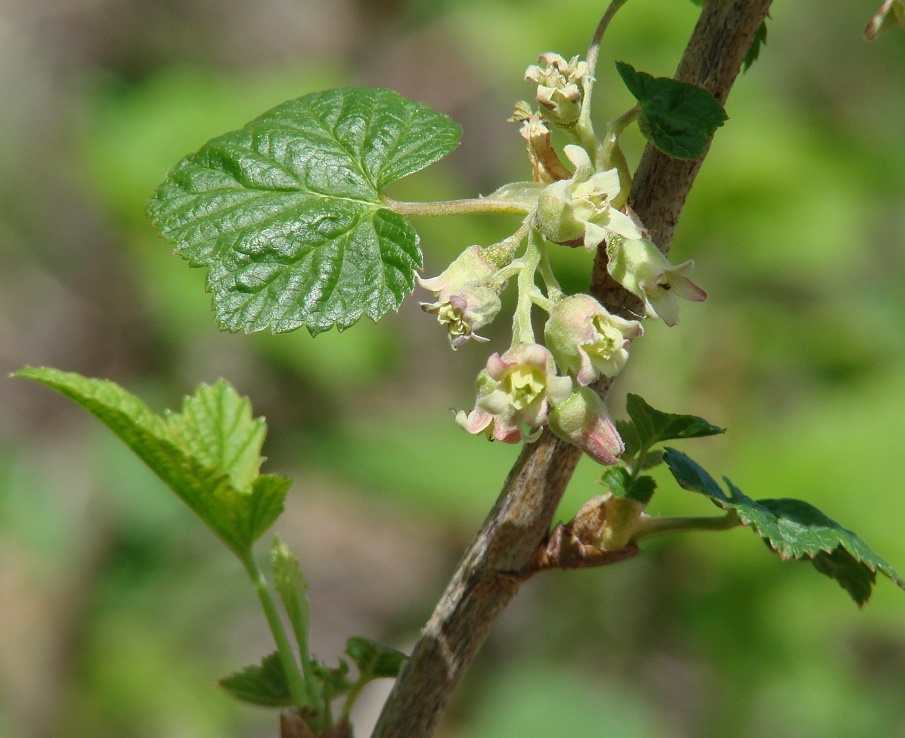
587, 340
560, 86
463, 312
465, 301
640, 267
515, 390
579, 210
583, 421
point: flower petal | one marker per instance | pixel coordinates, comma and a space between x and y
623, 225
664, 305
687, 290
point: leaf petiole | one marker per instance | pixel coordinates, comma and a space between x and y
648, 526
456, 207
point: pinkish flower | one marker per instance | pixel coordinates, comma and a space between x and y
515, 390
583, 421
587, 340
465, 311
465, 301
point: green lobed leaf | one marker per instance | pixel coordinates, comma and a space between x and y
373, 660
264, 685
691, 476
794, 529
238, 515
287, 212
630, 439
654, 426
677, 117
618, 480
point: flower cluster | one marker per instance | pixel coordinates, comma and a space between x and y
532, 385
560, 87
520, 392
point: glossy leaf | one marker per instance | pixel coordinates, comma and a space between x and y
794, 529
204, 471
287, 212
654, 426
677, 117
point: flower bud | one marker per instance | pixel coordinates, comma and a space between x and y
583, 421
560, 87
587, 340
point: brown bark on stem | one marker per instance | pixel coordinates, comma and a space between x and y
496, 562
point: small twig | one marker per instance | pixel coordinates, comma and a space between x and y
483, 584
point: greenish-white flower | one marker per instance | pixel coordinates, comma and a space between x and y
640, 267
579, 210
466, 299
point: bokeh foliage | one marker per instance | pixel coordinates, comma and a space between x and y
119, 613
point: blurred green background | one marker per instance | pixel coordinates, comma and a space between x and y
118, 610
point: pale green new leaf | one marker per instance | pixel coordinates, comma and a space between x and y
373, 660
287, 212
216, 426
215, 475
264, 685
